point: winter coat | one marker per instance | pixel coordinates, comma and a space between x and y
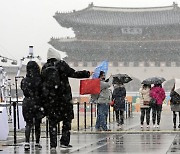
119, 94
144, 97
158, 93
175, 101
175, 97
60, 107
31, 86
105, 94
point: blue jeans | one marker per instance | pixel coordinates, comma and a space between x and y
102, 114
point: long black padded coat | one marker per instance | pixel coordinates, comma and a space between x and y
119, 95
31, 86
60, 106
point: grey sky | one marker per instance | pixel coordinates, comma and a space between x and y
31, 22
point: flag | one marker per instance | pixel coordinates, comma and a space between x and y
101, 67
90, 86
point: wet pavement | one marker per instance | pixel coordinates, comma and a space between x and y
129, 140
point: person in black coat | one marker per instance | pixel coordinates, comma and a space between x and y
60, 106
31, 86
119, 94
175, 105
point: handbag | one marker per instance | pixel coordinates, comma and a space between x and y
152, 102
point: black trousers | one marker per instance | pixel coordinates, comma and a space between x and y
65, 138
174, 118
145, 111
156, 111
29, 125
119, 116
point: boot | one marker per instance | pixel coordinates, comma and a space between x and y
174, 119
26, 146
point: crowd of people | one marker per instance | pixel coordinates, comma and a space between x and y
152, 98
43, 98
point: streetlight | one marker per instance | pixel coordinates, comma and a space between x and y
14, 62
6, 59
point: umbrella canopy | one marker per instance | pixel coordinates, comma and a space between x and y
121, 78
101, 67
177, 86
154, 80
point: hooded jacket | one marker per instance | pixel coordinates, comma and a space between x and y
60, 106
31, 86
105, 94
144, 96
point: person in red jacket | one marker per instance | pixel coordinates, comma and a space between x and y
157, 93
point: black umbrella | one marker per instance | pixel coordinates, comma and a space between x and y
154, 80
121, 78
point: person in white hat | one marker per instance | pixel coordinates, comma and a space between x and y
58, 103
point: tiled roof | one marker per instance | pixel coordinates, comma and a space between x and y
111, 16
93, 50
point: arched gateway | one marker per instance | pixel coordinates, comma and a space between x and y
141, 42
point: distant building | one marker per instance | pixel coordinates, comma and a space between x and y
141, 42
122, 35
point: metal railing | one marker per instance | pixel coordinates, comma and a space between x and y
86, 112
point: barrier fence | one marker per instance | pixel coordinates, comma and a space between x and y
85, 116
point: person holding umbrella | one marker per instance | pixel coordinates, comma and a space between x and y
119, 95
158, 94
103, 103
144, 92
175, 104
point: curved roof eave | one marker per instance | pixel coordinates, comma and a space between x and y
121, 9
113, 16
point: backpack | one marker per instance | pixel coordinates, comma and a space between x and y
51, 80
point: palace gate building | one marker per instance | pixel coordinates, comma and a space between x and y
141, 42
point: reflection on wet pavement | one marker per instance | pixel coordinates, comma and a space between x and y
130, 140
175, 146
110, 143
137, 143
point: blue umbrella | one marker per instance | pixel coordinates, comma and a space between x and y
101, 67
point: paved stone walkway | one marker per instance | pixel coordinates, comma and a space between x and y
130, 140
